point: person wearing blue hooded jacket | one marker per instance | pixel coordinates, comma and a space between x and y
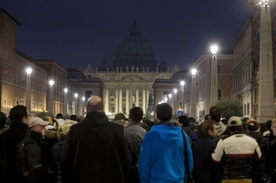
162, 155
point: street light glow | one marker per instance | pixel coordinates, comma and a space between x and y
175, 91
83, 98
76, 95
51, 82
29, 70
182, 83
193, 71
263, 2
214, 49
65, 90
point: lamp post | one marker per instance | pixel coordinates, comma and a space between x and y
65, 101
28, 91
175, 98
193, 95
83, 100
182, 83
170, 98
214, 76
51, 96
76, 104
266, 86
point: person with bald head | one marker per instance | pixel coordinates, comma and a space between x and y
95, 149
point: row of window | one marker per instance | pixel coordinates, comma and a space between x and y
34, 104
22, 82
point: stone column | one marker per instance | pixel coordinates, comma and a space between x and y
266, 85
127, 101
214, 81
130, 98
120, 101
116, 103
106, 100
144, 101
137, 98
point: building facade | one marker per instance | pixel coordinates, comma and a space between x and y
246, 64
203, 82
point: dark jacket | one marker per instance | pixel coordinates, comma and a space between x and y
95, 150
134, 134
204, 168
270, 158
8, 156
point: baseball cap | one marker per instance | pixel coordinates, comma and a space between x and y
34, 121
234, 121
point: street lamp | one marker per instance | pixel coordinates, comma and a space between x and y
28, 86
170, 98
182, 83
214, 76
76, 104
51, 96
65, 101
175, 98
193, 94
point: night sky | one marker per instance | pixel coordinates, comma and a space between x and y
77, 33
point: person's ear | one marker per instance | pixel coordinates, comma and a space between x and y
25, 120
210, 132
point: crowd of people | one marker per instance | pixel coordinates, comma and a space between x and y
135, 149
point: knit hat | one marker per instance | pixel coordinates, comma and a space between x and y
234, 121
253, 125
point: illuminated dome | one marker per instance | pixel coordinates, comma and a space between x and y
135, 51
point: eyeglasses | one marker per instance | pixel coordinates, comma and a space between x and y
273, 127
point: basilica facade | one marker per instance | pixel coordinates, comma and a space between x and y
129, 81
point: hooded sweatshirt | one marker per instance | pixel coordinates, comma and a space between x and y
162, 155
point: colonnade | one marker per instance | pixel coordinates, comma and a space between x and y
125, 99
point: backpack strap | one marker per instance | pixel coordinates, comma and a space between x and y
186, 155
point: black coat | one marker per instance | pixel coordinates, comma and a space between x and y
270, 158
95, 150
204, 168
8, 156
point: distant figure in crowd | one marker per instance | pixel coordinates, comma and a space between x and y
270, 158
95, 149
215, 114
135, 135
9, 170
38, 125
148, 122
50, 138
3, 122
57, 147
121, 119
238, 151
60, 119
74, 118
253, 130
184, 123
204, 169
164, 150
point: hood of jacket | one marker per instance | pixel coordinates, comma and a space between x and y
168, 133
